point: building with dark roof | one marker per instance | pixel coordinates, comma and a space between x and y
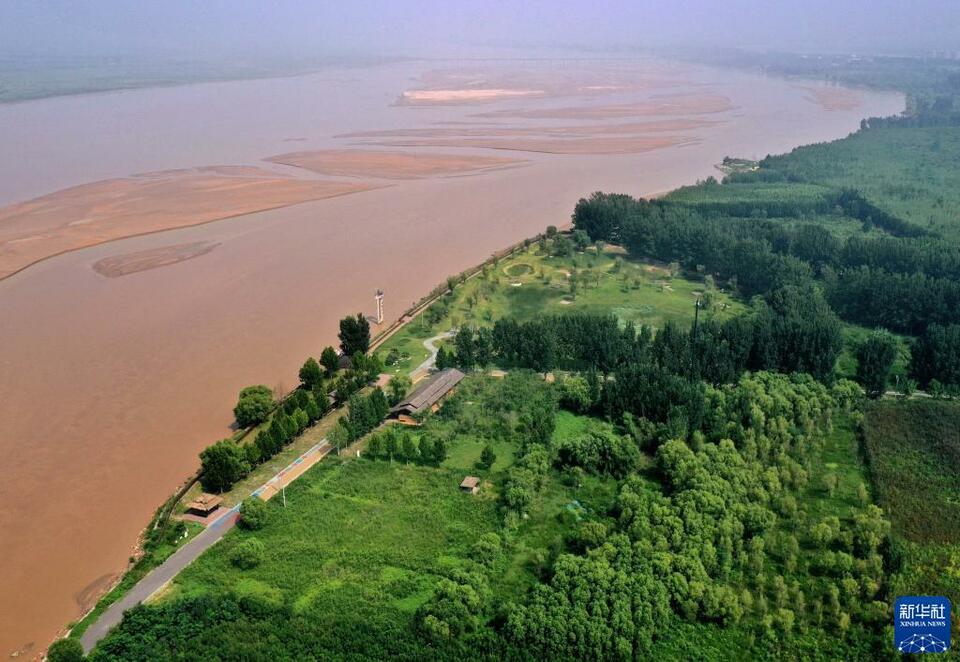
427, 396
204, 504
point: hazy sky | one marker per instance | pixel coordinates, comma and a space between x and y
215, 28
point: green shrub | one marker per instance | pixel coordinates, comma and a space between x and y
253, 405
65, 650
248, 554
253, 513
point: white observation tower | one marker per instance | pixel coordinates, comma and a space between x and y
379, 306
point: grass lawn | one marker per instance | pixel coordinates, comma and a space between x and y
530, 284
352, 531
840, 457
465, 453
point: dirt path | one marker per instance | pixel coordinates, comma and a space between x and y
184, 556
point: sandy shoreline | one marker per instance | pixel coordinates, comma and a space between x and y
100, 212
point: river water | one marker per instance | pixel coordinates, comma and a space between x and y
109, 387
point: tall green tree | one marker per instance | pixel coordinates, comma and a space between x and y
397, 388
253, 405
445, 359
875, 356
222, 465
310, 373
487, 457
330, 360
354, 335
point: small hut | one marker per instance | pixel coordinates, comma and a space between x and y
470, 485
204, 504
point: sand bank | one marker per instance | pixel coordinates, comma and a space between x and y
582, 146
505, 81
103, 211
681, 104
130, 263
537, 130
833, 98
391, 165
450, 97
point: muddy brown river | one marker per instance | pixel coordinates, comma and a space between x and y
113, 378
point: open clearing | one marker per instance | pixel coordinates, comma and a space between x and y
634, 291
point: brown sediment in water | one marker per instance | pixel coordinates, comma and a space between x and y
659, 126
681, 104
87, 597
391, 164
103, 211
833, 98
581, 146
131, 263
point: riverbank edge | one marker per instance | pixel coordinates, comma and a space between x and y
163, 513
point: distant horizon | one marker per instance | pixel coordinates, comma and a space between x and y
297, 29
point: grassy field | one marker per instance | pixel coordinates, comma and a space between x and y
350, 528
914, 453
363, 536
531, 284
914, 449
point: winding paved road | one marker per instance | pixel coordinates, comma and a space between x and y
184, 556
430, 345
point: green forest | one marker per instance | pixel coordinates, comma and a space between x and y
720, 424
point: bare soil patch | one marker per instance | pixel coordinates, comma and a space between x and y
87, 597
